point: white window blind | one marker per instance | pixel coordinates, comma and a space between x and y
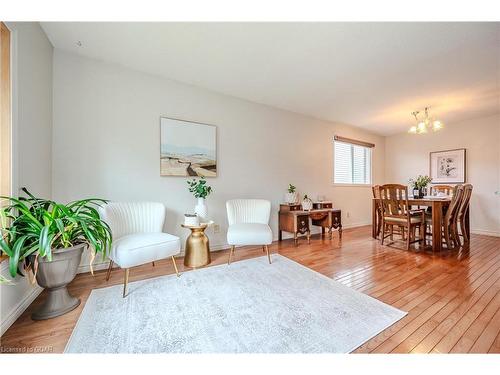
352, 163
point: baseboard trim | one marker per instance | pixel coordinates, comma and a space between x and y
357, 225
97, 266
19, 309
483, 232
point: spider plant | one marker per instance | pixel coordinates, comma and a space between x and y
35, 227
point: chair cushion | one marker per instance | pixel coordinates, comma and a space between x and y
400, 220
140, 248
249, 234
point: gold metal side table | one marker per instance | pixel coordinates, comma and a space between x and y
197, 252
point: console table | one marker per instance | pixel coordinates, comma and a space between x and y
293, 219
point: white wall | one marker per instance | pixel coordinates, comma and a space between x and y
408, 156
106, 144
32, 141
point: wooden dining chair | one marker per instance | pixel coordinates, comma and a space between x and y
448, 223
446, 189
462, 211
397, 212
378, 207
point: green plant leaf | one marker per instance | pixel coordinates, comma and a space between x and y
37, 226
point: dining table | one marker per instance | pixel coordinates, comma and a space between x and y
438, 205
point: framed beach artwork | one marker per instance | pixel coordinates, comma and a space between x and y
187, 148
448, 166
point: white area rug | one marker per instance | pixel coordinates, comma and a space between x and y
247, 307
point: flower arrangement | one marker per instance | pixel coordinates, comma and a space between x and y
291, 196
420, 182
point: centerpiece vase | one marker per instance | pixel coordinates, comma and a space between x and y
416, 192
201, 210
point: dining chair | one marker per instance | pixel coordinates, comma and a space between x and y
378, 207
449, 220
138, 237
446, 189
249, 224
462, 212
397, 212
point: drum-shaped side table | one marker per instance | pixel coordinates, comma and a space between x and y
197, 252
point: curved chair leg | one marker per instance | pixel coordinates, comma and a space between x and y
408, 237
447, 238
379, 223
175, 266
463, 230
230, 254
108, 274
456, 236
125, 282
268, 255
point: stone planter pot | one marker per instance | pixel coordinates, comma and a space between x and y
55, 276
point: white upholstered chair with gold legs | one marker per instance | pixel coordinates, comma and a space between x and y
249, 224
138, 236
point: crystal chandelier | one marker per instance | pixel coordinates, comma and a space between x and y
424, 124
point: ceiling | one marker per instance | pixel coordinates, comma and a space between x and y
370, 75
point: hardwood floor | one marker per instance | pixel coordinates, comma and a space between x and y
452, 298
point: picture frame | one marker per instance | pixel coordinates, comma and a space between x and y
448, 166
187, 148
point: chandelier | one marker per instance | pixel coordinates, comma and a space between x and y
425, 123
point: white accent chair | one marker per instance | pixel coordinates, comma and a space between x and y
249, 224
137, 236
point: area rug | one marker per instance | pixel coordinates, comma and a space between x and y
250, 306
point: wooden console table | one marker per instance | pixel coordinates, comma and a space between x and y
293, 219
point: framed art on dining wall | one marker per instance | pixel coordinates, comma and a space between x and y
187, 148
448, 166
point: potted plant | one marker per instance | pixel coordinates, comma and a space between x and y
200, 190
291, 196
47, 239
420, 185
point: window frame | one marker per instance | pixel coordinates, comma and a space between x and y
352, 142
5, 111
6, 178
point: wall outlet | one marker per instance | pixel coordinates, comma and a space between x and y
348, 214
216, 228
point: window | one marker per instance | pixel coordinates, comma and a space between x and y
352, 161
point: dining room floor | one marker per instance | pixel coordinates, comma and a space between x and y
452, 297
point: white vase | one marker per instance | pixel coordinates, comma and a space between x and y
307, 204
201, 210
291, 198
